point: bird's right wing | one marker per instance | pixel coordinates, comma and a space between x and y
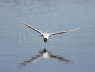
60, 58
71, 30
33, 28
30, 60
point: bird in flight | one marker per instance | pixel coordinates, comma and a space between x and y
44, 54
47, 35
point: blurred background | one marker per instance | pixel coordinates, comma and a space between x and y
18, 43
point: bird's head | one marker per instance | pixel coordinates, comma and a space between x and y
43, 51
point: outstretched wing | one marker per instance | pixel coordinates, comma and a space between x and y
71, 30
30, 60
59, 58
57, 33
33, 28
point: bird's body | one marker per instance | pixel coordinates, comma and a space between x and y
45, 55
46, 36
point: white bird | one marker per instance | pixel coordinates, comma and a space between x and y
47, 35
44, 54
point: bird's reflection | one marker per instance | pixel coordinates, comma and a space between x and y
44, 54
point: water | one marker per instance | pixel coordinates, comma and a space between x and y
18, 42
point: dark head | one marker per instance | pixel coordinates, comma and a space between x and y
44, 50
45, 40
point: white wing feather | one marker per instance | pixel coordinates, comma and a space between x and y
33, 28
71, 30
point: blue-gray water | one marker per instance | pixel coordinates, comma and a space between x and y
18, 42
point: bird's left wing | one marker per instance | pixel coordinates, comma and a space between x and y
33, 28
71, 30
30, 60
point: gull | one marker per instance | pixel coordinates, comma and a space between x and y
46, 35
44, 54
